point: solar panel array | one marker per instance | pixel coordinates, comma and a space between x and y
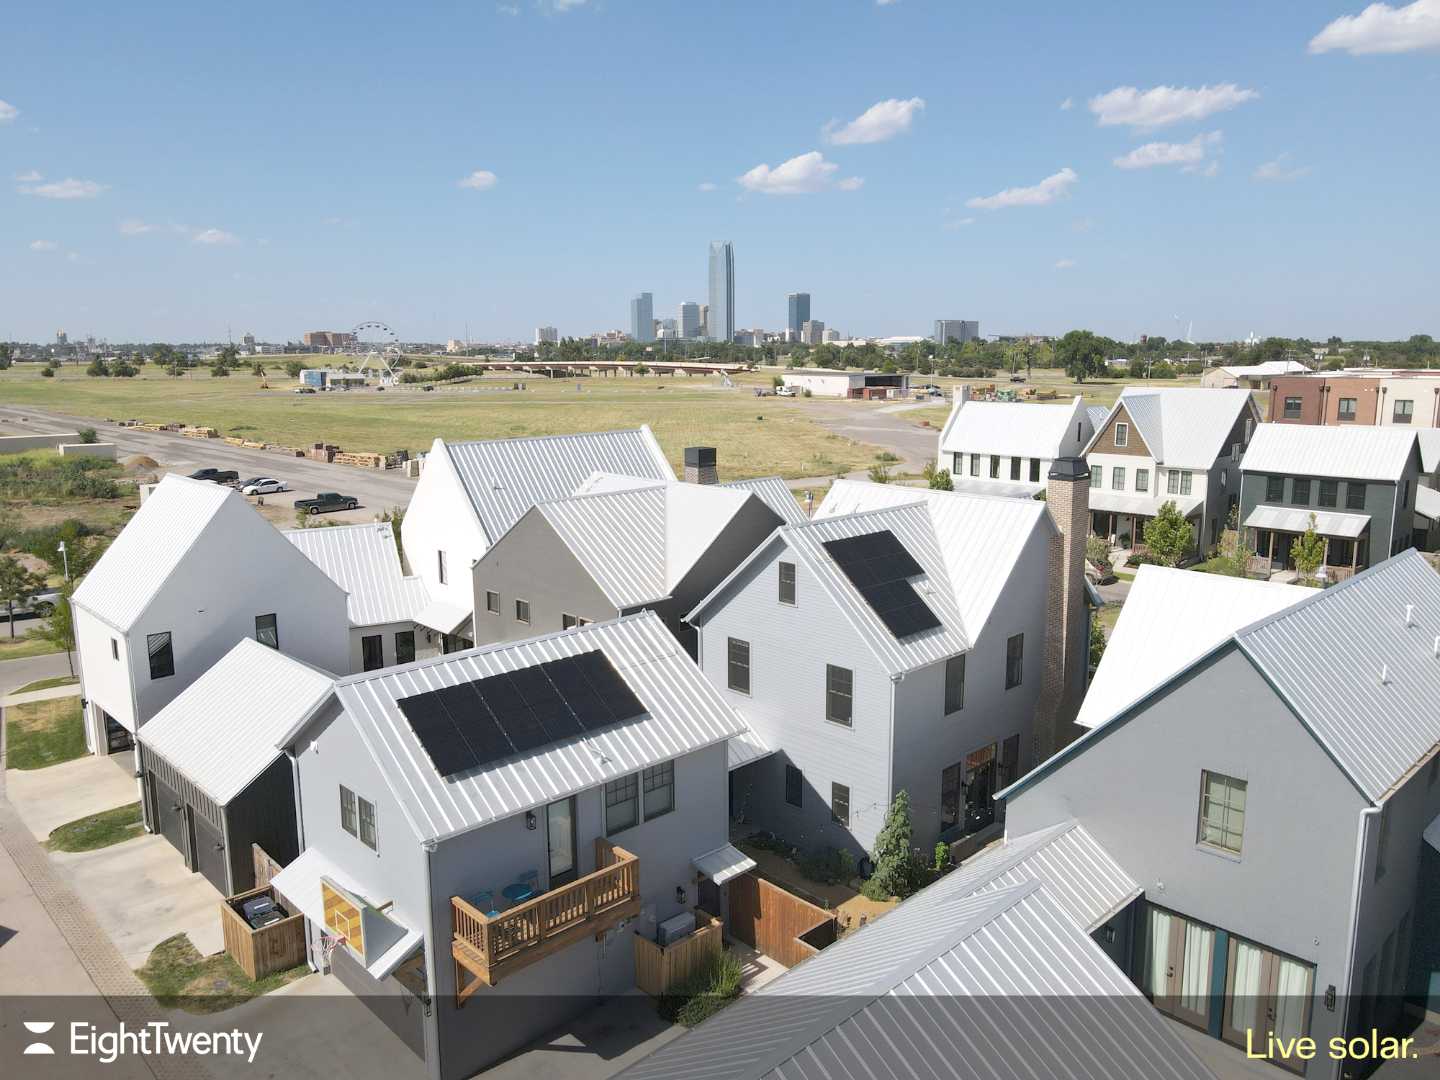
467, 726
878, 565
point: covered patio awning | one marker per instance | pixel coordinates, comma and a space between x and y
1293, 520
1427, 503
446, 616
725, 862
1120, 502
743, 749
1009, 489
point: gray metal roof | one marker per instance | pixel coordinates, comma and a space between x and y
364, 561
774, 493
1183, 427
685, 713
1012, 428
1356, 453
506, 477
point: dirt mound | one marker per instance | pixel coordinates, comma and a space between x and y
140, 463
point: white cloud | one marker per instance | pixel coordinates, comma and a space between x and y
480, 180
214, 237
135, 227
883, 120
68, 188
559, 7
801, 175
1279, 170
1064, 264
1067, 104
508, 9
1383, 29
885, 3
8, 112
1144, 110
1046, 191
706, 186
30, 176
1189, 154
43, 245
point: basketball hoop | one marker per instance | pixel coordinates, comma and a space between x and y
328, 943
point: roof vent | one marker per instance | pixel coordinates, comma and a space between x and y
1409, 614
1384, 674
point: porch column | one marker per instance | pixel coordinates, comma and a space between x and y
1325, 558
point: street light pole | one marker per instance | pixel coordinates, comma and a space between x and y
66, 555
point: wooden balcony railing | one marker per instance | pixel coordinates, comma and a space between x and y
489, 947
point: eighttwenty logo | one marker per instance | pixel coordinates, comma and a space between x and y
39, 1027
155, 1038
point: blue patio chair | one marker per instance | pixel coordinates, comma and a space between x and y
531, 878
485, 901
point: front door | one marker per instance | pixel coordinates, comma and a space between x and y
1266, 993
560, 835
1179, 954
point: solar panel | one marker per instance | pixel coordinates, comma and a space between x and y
441, 739
606, 682
878, 565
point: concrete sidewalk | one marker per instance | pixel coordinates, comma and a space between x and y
48, 694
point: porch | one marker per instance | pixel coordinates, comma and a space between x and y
1121, 518
490, 947
1273, 530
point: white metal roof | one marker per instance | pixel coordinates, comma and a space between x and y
1429, 450
1269, 367
1170, 619
137, 564
1363, 682
774, 493
1125, 502
221, 731
745, 748
1013, 428
1427, 503
1008, 489
506, 477
685, 713
1355, 453
1183, 427
722, 864
364, 561
1297, 520
443, 615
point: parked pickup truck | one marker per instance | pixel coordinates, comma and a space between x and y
326, 501
218, 476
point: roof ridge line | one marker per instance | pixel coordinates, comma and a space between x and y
541, 438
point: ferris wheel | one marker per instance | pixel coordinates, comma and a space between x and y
378, 346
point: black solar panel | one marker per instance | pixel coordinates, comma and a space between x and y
467, 726
878, 565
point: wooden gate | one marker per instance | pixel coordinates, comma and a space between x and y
777, 923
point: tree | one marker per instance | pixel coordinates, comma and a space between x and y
59, 630
7, 355
220, 370
1167, 535
1097, 643
1081, 354
16, 585
894, 863
258, 370
937, 478
122, 370
1308, 550
294, 367
229, 356
98, 368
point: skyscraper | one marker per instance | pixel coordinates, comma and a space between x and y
812, 332
546, 335
799, 303
957, 330
642, 317
722, 291
689, 319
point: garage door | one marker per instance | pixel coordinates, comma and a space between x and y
210, 853
170, 816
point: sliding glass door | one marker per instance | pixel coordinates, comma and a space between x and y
1176, 965
1266, 993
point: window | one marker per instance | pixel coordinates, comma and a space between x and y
1329, 492
1347, 408
1185, 481
440, 566
492, 602
840, 804
1122, 434
1095, 478
404, 646
367, 823
737, 665
114, 649
966, 789
839, 694
794, 786
1354, 496
1015, 464
954, 684
162, 655
1275, 489
1014, 661
622, 798
659, 784
957, 464
1172, 482
347, 811
1382, 842
1404, 412
1300, 491
787, 583
1405, 494
994, 466
1142, 479
372, 652
522, 611
974, 464
567, 620
1117, 478
1292, 408
1034, 470
1222, 811
267, 631
1224, 479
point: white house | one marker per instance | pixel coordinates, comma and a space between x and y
196, 570
1007, 447
1251, 376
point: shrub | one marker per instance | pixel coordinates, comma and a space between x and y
705, 993
1097, 549
122, 370
88, 435
48, 372
98, 369
880, 474
894, 866
828, 866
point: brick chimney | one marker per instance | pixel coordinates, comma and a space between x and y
1067, 626
700, 465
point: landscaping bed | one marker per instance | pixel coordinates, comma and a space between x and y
180, 978
39, 734
705, 993
98, 830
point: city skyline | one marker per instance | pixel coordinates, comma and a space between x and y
1149, 172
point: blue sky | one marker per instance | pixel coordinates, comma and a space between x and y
173, 169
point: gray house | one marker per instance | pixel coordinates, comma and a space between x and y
900, 640
1271, 798
484, 832
1359, 484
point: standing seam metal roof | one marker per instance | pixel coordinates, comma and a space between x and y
1356, 453
774, 493
364, 561
1011, 428
1183, 427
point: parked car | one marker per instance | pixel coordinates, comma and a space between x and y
784, 391
41, 604
326, 501
263, 485
303, 390
217, 476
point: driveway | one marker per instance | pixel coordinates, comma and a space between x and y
599, 1043
47, 798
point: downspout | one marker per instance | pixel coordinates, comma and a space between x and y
1361, 845
895, 681
431, 1019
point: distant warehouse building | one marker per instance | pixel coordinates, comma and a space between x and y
327, 379
1251, 376
848, 384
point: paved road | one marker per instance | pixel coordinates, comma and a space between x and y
376, 490
916, 446
30, 669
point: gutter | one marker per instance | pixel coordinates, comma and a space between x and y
1362, 834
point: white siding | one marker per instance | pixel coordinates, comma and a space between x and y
441, 518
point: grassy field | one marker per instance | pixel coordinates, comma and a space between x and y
24, 643
180, 978
43, 733
754, 436
46, 684
97, 831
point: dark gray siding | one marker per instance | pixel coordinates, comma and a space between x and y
264, 814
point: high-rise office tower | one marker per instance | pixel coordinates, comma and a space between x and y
799, 304
721, 323
704, 320
957, 330
546, 335
642, 317
689, 319
812, 332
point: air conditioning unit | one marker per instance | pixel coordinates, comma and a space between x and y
675, 928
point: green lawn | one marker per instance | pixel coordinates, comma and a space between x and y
23, 644
43, 733
97, 830
47, 684
180, 978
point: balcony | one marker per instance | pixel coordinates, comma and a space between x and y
488, 948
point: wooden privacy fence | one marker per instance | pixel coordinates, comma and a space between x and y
276, 947
661, 968
778, 923
265, 867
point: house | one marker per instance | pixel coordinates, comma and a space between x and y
999, 969
1005, 447
1251, 376
1357, 484
483, 832
594, 557
1180, 445
195, 571
214, 782
902, 639
1407, 397
471, 493
770, 490
1277, 798
382, 601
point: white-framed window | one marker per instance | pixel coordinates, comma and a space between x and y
840, 804
737, 665
622, 803
347, 811
492, 602
1122, 434
787, 583
1117, 477
658, 783
1142, 479
1222, 811
522, 611
367, 824
839, 695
